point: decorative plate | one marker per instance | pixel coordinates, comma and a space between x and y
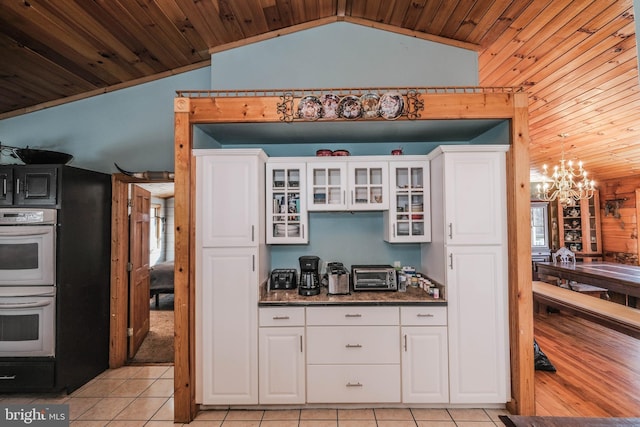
309, 108
391, 105
350, 107
330, 103
369, 103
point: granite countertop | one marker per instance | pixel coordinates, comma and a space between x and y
413, 296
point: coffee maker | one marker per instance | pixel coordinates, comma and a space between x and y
309, 275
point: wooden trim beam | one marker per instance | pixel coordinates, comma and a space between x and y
480, 104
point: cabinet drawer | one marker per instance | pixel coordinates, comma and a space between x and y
26, 376
353, 383
423, 316
353, 344
282, 316
352, 316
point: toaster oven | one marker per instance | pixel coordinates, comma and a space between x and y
373, 278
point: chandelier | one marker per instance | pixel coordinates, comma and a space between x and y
567, 184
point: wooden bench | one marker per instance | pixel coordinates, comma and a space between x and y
615, 316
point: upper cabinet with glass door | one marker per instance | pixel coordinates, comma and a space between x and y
355, 185
409, 216
286, 203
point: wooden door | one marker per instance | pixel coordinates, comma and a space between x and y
139, 272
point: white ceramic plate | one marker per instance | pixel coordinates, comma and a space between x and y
391, 105
309, 108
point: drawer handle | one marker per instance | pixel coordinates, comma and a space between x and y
354, 385
352, 315
280, 317
425, 315
8, 377
353, 346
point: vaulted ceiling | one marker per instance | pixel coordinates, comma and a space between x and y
576, 59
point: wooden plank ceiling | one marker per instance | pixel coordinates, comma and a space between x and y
576, 58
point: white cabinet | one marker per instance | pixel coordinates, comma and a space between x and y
227, 327
468, 254
354, 185
409, 216
282, 355
353, 355
231, 197
286, 200
425, 361
231, 262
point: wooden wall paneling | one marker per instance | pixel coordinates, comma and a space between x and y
620, 232
519, 238
184, 273
448, 103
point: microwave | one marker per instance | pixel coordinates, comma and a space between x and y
373, 278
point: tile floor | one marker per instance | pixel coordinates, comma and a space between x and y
136, 396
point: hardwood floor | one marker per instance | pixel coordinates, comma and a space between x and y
598, 369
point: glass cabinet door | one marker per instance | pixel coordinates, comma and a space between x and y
327, 186
409, 214
368, 189
286, 203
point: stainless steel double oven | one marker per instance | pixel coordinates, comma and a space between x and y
27, 282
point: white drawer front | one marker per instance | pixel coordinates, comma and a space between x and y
423, 316
353, 384
353, 344
281, 316
356, 316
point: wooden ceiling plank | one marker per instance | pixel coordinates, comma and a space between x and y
250, 17
328, 8
206, 22
182, 23
416, 10
440, 19
494, 32
399, 11
464, 16
285, 14
537, 52
491, 58
482, 15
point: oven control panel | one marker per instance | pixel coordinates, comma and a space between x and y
27, 216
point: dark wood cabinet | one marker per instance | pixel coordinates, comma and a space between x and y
27, 375
29, 185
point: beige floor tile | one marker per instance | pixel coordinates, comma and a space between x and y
124, 372
172, 424
319, 414
431, 414
357, 423
285, 414
52, 398
476, 424
469, 415
318, 423
88, 423
106, 408
80, 405
18, 399
204, 423
393, 414
127, 423
165, 413
132, 388
241, 423
355, 414
279, 423
159, 388
240, 415
423, 423
396, 423
99, 388
168, 373
494, 413
143, 408
154, 372
212, 415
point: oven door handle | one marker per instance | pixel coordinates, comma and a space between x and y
23, 232
8, 306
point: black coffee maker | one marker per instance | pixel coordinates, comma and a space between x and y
309, 275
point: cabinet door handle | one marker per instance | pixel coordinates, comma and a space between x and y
4, 187
394, 229
8, 377
281, 317
424, 315
301, 344
451, 230
353, 315
18, 186
253, 232
302, 227
451, 261
405, 343
344, 196
349, 384
353, 346
253, 263
352, 197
